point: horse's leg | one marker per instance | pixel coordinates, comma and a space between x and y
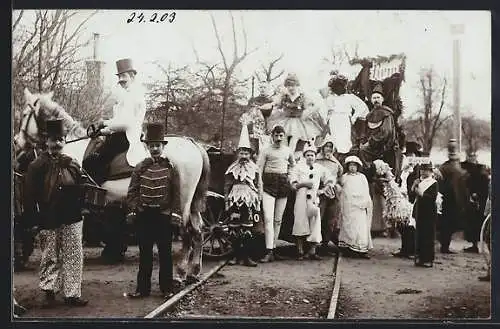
182, 263
197, 240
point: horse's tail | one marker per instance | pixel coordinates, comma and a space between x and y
200, 195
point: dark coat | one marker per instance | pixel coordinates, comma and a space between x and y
58, 203
453, 187
425, 213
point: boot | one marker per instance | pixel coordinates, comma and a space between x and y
312, 253
268, 257
249, 262
300, 248
75, 301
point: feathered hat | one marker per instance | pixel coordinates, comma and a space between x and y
244, 142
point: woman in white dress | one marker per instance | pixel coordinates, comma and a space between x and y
342, 112
356, 215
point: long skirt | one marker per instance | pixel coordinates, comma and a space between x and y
355, 229
307, 221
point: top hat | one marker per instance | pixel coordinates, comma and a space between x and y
55, 128
292, 79
378, 89
244, 142
155, 132
125, 65
413, 147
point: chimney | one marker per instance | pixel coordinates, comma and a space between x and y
96, 46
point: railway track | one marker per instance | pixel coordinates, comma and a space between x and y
170, 304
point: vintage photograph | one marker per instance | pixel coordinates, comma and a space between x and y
251, 164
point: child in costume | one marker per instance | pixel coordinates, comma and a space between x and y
242, 182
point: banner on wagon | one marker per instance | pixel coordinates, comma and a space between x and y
418, 160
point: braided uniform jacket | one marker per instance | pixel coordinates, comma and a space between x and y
154, 184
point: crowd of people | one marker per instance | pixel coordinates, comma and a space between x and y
330, 176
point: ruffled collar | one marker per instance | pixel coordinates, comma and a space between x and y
245, 172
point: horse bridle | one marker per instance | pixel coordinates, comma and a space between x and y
26, 135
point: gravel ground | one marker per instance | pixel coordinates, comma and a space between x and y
103, 285
386, 287
289, 288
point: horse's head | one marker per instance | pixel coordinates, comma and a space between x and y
39, 107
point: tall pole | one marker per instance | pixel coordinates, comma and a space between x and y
457, 30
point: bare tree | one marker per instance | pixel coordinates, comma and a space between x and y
433, 90
476, 133
230, 64
266, 71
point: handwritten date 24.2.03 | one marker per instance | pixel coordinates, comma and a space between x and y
139, 17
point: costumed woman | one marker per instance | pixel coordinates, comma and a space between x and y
356, 207
343, 111
329, 201
242, 185
425, 213
307, 220
297, 114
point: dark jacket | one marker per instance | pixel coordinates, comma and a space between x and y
170, 190
59, 201
382, 137
453, 187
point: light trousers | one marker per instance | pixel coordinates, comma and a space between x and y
61, 266
273, 214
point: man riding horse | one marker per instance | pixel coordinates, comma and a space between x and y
124, 129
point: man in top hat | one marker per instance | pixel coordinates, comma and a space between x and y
241, 190
124, 129
453, 187
153, 199
477, 185
53, 202
381, 132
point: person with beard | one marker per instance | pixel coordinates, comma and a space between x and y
53, 201
453, 187
381, 132
241, 190
412, 172
477, 185
153, 202
276, 163
124, 129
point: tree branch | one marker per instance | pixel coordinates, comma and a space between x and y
18, 19
219, 43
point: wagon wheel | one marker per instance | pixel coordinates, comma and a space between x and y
216, 243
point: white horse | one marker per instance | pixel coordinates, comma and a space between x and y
188, 157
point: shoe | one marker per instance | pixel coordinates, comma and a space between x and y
486, 278
168, 295
192, 279
473, 249
314, 257
447, 251
232, 261
400, 254
364, 255
249, 262
422, 264
137, 295
268, 258
300, 256
75, 301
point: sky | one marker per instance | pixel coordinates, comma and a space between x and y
305, 37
